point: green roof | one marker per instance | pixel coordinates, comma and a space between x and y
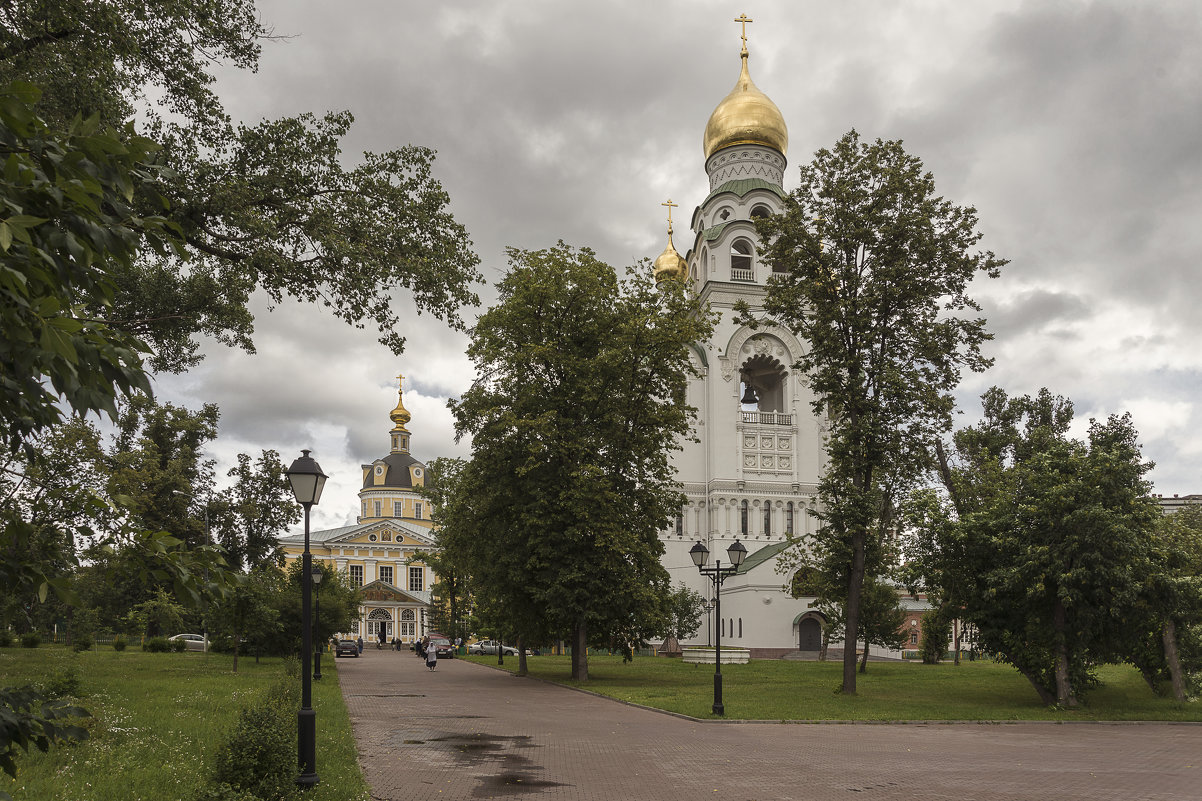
742, 186
762, 555
710, 234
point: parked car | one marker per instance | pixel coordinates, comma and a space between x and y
444, 648
192, 642
346, 648
485, 647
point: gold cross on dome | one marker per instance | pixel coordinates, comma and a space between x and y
744, 19
400, 380
670, 206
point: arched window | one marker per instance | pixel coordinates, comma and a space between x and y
743, 518
789, 517
379, 620
680, 524
760, 210
740, 260
408, 625
740, 627
767, 518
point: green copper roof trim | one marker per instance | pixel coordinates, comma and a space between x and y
710, 234
700, 351
742, 186
762, 555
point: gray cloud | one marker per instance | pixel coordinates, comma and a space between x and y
1071, 126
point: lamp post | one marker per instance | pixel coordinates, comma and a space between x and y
317, 641
717, 574
307, 483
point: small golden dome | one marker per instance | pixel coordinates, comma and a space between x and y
746, 116
670, 264
400, 415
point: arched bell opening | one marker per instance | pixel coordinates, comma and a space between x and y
762, 384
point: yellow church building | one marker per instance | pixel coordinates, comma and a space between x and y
385, 552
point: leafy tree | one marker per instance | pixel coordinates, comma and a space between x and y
934, 637
881, 618
580, 399
163, 616
871, 267
68, 224
1043, 541
270, 206
249, 613
252, 513
339, 606
684, 612
1166, 627
451, 592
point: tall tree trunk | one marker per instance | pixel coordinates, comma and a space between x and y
1169, 636
1064, 688
521, 656
956, 639
1044, 695
855, 585
864, 660
580, 651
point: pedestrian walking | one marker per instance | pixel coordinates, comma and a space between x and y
360, 644
431, 656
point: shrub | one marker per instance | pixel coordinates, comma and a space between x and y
6, 638
82, 642
258, 755
118, 643
933, 646
64, 683
223, 792
31, 640
156, 645
179, 646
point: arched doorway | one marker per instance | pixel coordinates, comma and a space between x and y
809, 634
379, 620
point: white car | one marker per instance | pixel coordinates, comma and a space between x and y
192, 642
485, 647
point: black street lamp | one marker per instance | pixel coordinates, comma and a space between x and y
317, 643
737, 552
307, 483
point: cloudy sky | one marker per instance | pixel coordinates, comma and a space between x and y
1074, 128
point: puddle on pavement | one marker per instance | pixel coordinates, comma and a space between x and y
491, 757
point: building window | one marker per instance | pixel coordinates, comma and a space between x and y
398, 509
740, 628
789, 517
767, 518
913, 638
417, 510
408, 625
356, 575
743, 518
740, 261
354, 627
680, 524
365, 508
722, 622
416, 579
377, 509
386, 573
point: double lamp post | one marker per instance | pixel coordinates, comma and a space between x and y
737, 552
307, 483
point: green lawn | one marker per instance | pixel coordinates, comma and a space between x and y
787, 690
158, 719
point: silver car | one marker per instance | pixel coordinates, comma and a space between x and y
485, 647
192, 642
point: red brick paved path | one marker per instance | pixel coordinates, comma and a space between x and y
471, 732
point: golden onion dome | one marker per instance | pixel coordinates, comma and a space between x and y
746, 116
400, 415
670, 264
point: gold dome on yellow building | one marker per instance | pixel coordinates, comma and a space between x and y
746, 116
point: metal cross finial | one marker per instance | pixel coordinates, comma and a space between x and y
744, 19
400, 381
670, 206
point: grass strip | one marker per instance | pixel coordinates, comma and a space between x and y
158, 719
888, 691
